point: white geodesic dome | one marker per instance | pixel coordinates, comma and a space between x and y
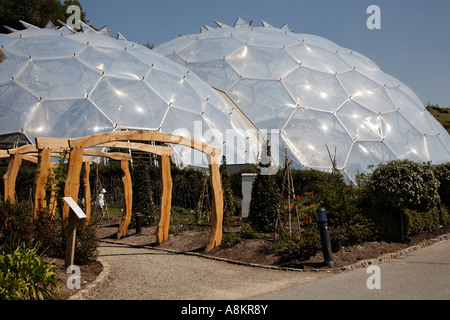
326, 101
65, 84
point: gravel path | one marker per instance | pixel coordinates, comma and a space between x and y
150, 274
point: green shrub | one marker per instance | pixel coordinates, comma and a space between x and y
86, 250
47, 234
442, 173
392, 188
17, 221
142, 195
444, 215
301, 247
264, 203
420, 221
404, 184
246, 232
347, 225
24, 274
232, 239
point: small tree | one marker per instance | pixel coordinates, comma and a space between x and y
396, 186
142, 200
229, 202
265, 201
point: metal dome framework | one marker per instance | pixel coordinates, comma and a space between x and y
322, 98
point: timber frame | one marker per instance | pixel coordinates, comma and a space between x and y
47, 147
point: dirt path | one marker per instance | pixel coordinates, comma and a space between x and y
145, 273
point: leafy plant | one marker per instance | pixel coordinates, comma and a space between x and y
24, 274
391, 189
442, 173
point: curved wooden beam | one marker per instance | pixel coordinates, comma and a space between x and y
101, 138
158, 150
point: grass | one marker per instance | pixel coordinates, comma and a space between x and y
442, 115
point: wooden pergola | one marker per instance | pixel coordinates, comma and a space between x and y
78, 147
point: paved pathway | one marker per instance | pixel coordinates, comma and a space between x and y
149, 274
423, 274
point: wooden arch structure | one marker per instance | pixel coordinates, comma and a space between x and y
49, 147
121, 139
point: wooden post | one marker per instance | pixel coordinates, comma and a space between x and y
9, 179
87, 190
42, 172
215, 235
52, 203
166, 200
127, 199
72, 185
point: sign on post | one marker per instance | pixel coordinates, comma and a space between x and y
74, 214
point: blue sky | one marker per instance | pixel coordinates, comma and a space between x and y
413, 43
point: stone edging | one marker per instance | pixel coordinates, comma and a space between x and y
103, 276
95, 285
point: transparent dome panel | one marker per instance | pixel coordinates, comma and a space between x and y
10, 67
318, 58
191, 124
16, 104
366, 92
219, 74
174, 45
175, 90
436, 149
314, 133
366, 153
129, 103
266, 103
314, 89
45, 46
210, 49
260, 37
360, 122
58, 78
314, 40
113, 62
262, 63
67, 119
403, 138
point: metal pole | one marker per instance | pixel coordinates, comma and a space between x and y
138, 223
324, 236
